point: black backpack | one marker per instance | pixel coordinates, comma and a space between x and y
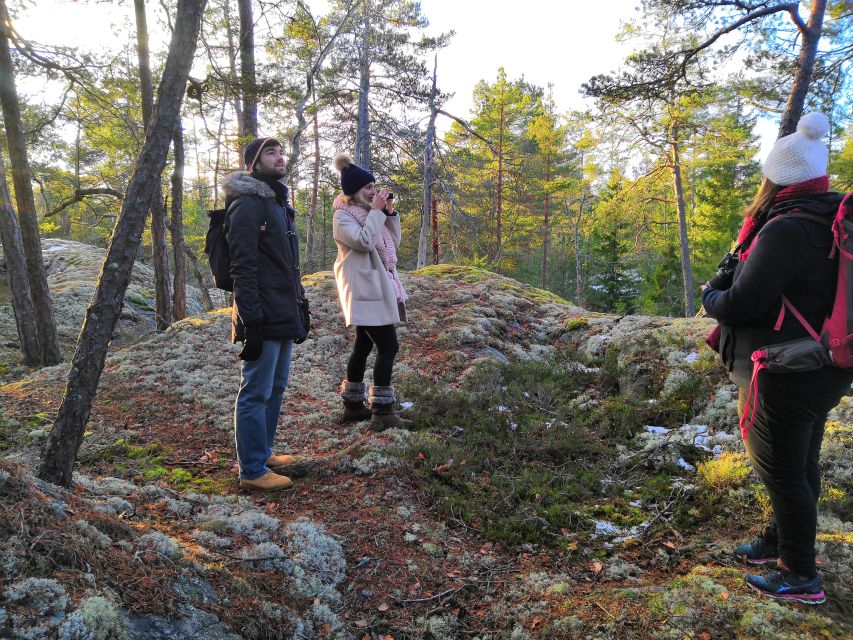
216, 248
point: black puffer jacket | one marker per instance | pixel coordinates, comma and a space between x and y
790, 257
264, 249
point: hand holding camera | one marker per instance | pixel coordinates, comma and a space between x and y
380, 199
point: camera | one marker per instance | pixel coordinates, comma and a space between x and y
390, 196
727, 265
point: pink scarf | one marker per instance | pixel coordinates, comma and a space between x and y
815, 185
384, 245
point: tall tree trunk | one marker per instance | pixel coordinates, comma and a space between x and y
159, 253
64, 440
310, 250
546, 230
435, 243
429, 150
179, 306
232, 65
47, 338
684, 243
325, 231
362, 131
576, 231
805, 65
160, 258
248, 78
16, 270
206, 300
217, 165
499, 207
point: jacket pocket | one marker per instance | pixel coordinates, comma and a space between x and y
366, 286
278, 304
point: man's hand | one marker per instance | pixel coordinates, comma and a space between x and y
253, 342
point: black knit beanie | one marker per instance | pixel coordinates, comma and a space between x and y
353, 177
254, 148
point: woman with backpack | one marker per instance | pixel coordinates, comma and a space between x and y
785, 245
366, 229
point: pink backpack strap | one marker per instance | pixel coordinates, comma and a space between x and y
759, 360
797, 315
838, 232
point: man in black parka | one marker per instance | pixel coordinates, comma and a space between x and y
263, 245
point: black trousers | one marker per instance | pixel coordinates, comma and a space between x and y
387, 346
784, 447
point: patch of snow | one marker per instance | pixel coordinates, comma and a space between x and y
604, 528
686, 465
656, 430
407, 405
55, 247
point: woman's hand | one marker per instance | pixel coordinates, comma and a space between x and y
380, 200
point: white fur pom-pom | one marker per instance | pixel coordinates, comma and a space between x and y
342, 161
813, 125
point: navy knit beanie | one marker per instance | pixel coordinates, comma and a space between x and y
353, 177
254, 148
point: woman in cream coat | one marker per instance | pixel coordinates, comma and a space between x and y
366, 229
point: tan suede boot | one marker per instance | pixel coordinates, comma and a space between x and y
281, 460
268, 482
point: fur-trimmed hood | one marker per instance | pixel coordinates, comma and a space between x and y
241, 183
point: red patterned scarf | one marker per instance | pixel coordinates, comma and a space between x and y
750, 225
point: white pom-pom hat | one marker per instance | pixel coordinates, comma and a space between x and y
800, 156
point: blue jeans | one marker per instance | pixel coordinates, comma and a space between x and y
258, 405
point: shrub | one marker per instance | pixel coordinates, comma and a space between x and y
720, 476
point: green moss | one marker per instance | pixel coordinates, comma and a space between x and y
10, 432
511, 455
576, 323
463, 273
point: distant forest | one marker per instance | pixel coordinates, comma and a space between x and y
625, 207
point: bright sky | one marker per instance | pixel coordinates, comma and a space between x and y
558, 42
561, 43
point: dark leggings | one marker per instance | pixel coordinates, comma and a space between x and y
385, 339
784, 447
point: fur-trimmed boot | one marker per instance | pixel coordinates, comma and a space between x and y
384, 415
353, 395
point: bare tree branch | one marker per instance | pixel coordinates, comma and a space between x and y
82, 194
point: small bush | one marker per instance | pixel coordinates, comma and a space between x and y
574, 324
720, 476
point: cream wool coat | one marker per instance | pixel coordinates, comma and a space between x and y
365, 290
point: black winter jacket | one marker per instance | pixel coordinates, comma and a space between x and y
790, 257
264, 250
